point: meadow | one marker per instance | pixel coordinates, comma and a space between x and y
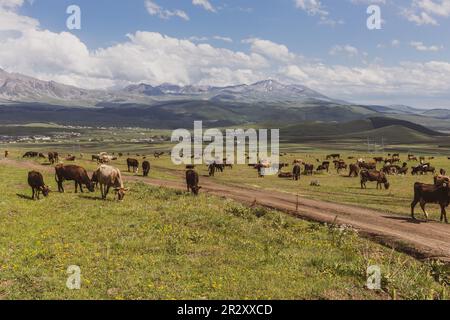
167, 244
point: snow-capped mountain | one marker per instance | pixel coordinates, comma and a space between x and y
263, 91
16, 87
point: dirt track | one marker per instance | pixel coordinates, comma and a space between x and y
422, 239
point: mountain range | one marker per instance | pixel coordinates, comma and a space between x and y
25, 99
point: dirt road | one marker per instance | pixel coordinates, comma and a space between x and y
424, 240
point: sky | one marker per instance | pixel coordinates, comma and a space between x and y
323, 44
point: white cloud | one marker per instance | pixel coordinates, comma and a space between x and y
316, 8
205, 4
426, 12
419, 46
155, 10
348, 50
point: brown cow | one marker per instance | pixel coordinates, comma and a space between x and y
374, 176
296, 172
354, 170
6, 153
36, 182
428, 193
72, 173
309, 168
192, 181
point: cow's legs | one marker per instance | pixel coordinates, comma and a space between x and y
81, 188
101, 191
32, 197
422, 205
413, 206
443, 214
107, 191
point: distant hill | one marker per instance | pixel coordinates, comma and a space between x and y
377, 128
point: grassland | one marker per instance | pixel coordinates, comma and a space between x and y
163, 244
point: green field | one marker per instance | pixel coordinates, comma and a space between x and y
165, 244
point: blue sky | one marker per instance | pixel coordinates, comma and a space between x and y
324, 44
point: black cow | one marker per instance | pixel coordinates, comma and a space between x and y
192, 181
146, 168
296, 172
36, 182
133, 164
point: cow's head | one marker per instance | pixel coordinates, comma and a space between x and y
91, 186
196, 189
45, 190
121, 193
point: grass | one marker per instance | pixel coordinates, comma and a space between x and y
164, 244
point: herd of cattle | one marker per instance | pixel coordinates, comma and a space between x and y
109, 177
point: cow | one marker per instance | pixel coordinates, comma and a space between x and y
212, 169
72, 173
41, 155
367, 165
6, 153
36, 182
192, 181
333, 156
341, 166
133, 164
309, 169
95, 158
70, 158
296, 172
412, 157
53, 157
374, 176
325, 166
110, 177
354, 170
378, 159
428, 193
157, 155
30, 154
423, 169
145, 168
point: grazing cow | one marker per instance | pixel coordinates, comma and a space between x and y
36, 182
367, 165
404, 169
192, 181
212, 169
6, 153
157, 155
133, 164
71, 158
53, 157
95, 158
333, 156
412, 157
378, 159
341, 166
423, 169
428, 193
30, 154
309, 169
145, 168
110, 177
72, 173
354, 170
296, 172
374, 176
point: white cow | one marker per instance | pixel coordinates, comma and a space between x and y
107, 177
